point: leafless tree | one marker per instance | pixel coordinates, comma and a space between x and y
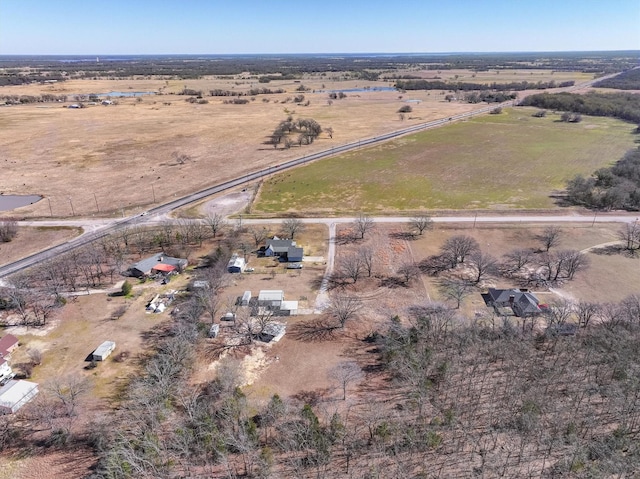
346, 373
35, 355
366, 255
344, 307
292, 226
484, 265
421, 223
209, 301
456, 249
550, 237
586, 311
351, 266
409, 272
630, 234
68, 390
363, 224
455, 290
215, 222
558, 313
517, 259
8, 230
573, 261
259, 234
329, 130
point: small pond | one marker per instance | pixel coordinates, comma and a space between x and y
11, 202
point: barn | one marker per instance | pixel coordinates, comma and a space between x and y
16, 394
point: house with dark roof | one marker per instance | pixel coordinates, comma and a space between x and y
287, 250
157, 264
522, 303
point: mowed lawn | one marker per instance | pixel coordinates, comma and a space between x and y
505, 161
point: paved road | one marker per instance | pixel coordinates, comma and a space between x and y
96, 229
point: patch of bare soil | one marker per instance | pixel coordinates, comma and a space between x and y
30, 240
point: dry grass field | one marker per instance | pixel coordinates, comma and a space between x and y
122, 153
30, 240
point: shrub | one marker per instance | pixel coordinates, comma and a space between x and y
405, 109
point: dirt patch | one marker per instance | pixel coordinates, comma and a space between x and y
30, 240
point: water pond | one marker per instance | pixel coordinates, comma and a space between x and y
11, 202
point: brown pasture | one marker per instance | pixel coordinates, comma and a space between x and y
108, 160
30, 240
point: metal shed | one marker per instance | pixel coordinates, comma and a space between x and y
103, 351
16, 394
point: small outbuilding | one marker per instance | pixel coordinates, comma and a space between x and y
272, 332
236, 264
214, 330
16, 394
103, 351
288, 308
270, 298
246, 298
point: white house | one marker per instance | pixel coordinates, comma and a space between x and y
236, 264
16, 394
103, 351
5, 370
270, 298
288, 308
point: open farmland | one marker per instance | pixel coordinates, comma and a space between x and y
502, 161
78, 158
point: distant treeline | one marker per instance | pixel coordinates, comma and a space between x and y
625, 106
251, 92
21, 99
629, 80
17, 70
615, 187
467, 86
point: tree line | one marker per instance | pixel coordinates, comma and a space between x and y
467, 86
625, 106
627, 80
613, 187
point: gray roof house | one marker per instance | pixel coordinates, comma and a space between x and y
285, 249
522, 303
158, 263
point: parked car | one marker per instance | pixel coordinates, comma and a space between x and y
294, 266
249, 270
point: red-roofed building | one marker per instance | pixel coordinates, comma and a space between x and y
163, 268
7, 344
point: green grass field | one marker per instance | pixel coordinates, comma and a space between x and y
505, 161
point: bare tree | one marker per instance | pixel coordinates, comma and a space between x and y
455, 290
343, 308
630, 234
409, 271
421, 223
550, 237
8, 230
351, 266
573, 261
215, 222
68, 391
291, 226
346, 373
366, 255
363, 224
484, 265
456, 249
517, 259
259, 234
586, 311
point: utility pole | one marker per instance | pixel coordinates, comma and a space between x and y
594, 218
50, 210
153, 191
96, 198
73, 213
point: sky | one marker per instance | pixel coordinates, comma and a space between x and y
100, 27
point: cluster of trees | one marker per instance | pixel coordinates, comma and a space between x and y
625, 106
467, 265
489, 97
466, 86
337, 95
627, 80
251, 92
307, 130
23, 99
8, 230
614, 187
